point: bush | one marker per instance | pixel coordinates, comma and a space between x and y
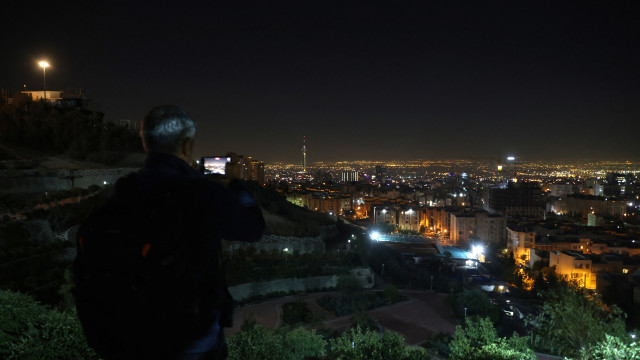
476, 302
362, 320
572, 320
29, 330
358, 344
300, 344
392, 294
254, 342
478, 340
613, 348
297, 312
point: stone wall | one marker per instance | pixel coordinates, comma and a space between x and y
291, 285
33, 181
269, 243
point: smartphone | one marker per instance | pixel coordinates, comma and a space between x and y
215, 164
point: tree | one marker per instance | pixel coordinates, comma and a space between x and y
572, 320
362, 320
613, 348
299, 344
254, 342
348, 285
478, 340
369, 345
476, 302
392, 294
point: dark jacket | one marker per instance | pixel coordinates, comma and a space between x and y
227, 212
223, 205
149, 282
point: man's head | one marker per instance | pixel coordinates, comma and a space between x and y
168, 129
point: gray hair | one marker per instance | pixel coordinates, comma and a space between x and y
165, 128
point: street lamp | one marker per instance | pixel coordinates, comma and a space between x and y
43, 64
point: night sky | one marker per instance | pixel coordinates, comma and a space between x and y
374, 80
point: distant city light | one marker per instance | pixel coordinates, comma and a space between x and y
511, 158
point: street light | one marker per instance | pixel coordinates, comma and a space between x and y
43, 64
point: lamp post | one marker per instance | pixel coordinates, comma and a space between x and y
44, 65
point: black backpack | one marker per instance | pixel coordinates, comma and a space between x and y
148, 276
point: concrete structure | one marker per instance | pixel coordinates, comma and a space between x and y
491, 228
477, 226
574, 266
561, 189
349, 176
409, 219
297, 285
463, 227
42, 180
584, 204
520, 241
521, 199
403, 216
270, 243
52, 95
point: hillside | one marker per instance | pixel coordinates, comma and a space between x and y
35, 131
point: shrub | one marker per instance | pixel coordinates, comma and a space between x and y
358, 344
613, 348
29, 330
478, 340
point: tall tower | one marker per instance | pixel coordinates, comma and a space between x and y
304, 154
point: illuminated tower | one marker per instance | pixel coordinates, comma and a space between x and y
304, 154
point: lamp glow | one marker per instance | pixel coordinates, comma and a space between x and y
477, 250
43, 64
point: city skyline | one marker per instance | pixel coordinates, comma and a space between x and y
368, 80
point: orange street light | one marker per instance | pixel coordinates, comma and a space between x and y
43, 64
